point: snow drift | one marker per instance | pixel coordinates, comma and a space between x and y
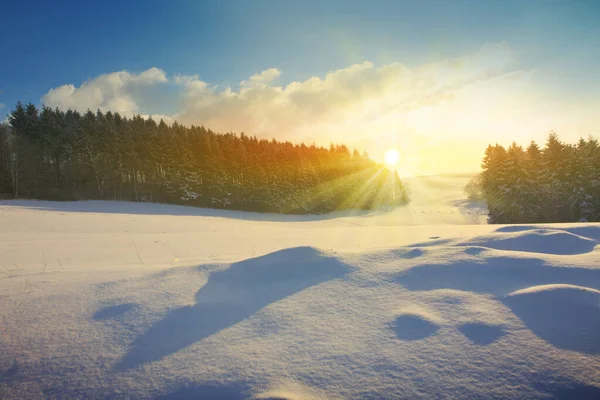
567, 316
231, 296
168, 304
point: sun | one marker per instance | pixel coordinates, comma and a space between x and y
391, 158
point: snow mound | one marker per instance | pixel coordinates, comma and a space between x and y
548, 241
590, 231
479, 269
231, 296
415, 324
515, 228
566, 316
164, 302
567, 292
494, 275
304, 264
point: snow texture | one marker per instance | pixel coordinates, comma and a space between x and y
122, 300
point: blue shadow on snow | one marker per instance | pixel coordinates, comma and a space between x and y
232, 295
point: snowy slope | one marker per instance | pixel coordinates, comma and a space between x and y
123, 300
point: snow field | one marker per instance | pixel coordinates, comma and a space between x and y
353, 307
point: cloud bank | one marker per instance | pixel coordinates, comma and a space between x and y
115, 92
422, 110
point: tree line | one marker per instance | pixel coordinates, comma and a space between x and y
557, 183
51, 154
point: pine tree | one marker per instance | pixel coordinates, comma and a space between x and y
559, 183
53, 154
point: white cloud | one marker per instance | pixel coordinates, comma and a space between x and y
114, 92
261, 80
357, 93
474, 99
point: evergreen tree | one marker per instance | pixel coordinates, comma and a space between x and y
51, 154
559, 183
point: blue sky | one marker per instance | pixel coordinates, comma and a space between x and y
50, 44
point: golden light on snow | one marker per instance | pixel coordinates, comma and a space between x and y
391, 158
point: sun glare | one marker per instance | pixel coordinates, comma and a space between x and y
391, 158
